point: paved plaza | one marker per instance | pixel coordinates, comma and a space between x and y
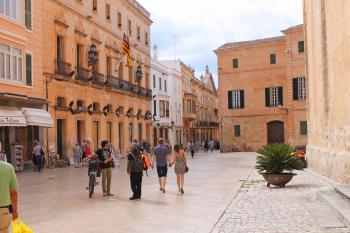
56, 200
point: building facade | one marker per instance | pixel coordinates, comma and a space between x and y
262, 92
327, 46
93, 92
23, 115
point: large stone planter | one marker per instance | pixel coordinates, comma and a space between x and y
277, 179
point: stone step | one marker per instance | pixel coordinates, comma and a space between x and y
339, 203
343, 190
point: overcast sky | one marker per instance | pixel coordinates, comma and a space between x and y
192, 29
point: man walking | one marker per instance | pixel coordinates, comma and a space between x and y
38, 152
106, 167
135, 166
8, 196
161, 158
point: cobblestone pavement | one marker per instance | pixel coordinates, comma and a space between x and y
259, 209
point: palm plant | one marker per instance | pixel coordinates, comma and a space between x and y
276, 158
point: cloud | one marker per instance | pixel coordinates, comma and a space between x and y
199, 27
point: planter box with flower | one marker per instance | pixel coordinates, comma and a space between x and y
275, 162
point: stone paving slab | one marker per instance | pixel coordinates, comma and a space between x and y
259, 209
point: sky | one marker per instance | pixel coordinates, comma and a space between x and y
191, 29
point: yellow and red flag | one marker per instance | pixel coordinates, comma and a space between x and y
126, 48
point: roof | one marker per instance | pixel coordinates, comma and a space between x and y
252, 42
294, 27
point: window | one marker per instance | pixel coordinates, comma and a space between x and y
299, 88
129, 27
167, 112
94, 5
11, 8
272, 58
96, 107
160, 83
236, 99
59, 48
80, 105
119, 20
108, 12
10, 63
235, 63
29, 81
131, 73
154, 107
237, 130
154, 81
165, 87
79, 51
146, 38
108, 66
60, 102
138, 33
164, 108
121, 70
28, 14
303, 127
273, 96
301, 46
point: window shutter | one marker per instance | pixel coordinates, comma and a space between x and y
29, 69
267, 97
154, 107
230, 104
242, 98
295, 88
280, 96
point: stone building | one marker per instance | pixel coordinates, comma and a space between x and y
327, 36
262, 92
92, 90
23, 115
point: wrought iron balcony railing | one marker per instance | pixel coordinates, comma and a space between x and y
98, 79
83, 74
63, 68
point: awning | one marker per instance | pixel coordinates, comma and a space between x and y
11, 116
37, 117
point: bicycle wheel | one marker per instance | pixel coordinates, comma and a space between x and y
92, 180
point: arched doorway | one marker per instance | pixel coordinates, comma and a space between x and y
275, 132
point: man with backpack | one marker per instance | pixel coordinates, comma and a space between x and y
135, 167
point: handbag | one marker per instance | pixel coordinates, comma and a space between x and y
186, 169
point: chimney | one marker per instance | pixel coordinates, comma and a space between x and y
155, 52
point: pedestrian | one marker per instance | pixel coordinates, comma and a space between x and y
77, 154
83, 150
206, 146
3, 155
180, 168
38, 152
192, 149
135, 166
168, 145
161, 158
8, 196
212, 145
106, 160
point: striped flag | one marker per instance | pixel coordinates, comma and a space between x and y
126, 48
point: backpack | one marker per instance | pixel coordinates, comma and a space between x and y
145, 161
137, 162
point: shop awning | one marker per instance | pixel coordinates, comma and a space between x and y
11, 116
37, 117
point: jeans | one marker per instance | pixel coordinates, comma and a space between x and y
39, 163
5, 220
76, 160
106, 180
135, 183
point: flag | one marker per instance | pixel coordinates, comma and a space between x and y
126, 48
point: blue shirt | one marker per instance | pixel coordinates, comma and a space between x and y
161, 152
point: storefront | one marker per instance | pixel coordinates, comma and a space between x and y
19, 128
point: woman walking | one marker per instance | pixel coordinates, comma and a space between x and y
180, 167
77, 154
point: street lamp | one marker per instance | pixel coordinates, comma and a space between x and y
93, 58
139, 74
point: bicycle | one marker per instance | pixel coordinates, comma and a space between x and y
93, 173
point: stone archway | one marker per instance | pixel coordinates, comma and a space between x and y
275, 132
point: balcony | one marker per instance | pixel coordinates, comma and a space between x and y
211, 124
189, 115
119, 84
83, 74
63, 68
98, 79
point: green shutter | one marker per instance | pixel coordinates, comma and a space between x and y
29, 69
303, 127
242, 98
237, 130
229, 96
295, 89
267, 97
280, 96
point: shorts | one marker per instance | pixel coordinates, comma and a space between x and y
162, 171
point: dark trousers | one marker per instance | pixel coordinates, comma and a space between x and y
192, 153
135, 183
39, 162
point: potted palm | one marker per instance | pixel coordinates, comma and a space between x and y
275, 162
